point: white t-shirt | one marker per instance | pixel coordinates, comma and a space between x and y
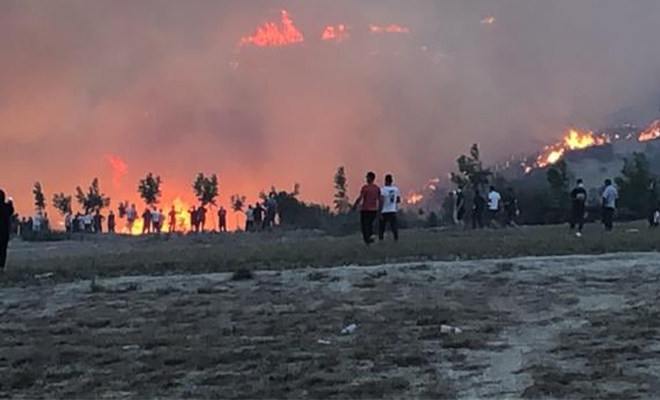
390, 195
155, 216
494, 201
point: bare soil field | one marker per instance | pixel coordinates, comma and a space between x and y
530, 327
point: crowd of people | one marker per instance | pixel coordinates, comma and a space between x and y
261, 216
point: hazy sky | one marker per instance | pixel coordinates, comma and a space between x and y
163, 85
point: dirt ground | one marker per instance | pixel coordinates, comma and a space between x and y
556, 327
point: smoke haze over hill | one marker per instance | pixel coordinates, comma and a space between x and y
164, 85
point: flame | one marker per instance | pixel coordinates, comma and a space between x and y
489, 20
650, 133
181, 219
574, 140
272, 35
119, 170
393, 28
414, 198
337, 33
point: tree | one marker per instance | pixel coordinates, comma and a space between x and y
237, 202
635, 194
471, 170
206, 188
150, 189
62, 203
94, 200
341, 202
39, 198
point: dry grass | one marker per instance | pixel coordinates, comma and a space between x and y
121, 256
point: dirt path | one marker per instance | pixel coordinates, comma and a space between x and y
582, 326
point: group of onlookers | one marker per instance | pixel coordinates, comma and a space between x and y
262, 215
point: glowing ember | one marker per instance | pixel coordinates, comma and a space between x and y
574, 140
414, 198
490, 20
273, 35
119, 170
393, 28
650, 133
335, 34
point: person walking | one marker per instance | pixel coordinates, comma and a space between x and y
390, 197
610, 195
369, 202
494, 199
479, 203
6, 214
578, 202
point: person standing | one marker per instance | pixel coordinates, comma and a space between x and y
131, 216
6, 214
111, 222
201, 217
249, 219
390, 197
578, 201
494, 199
146, 221
171, 224
222, 219
258, 212
459, 207
610, 195
479, 203
511, 207
369, 202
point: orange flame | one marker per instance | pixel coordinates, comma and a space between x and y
489, 20
650, 133
393, 28
272, 35
414, 198
335, 34
119, 170
574, 140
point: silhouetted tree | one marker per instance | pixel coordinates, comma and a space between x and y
94, 200
39, 198
471, 172
206, 189
62, 203
150, 189
341, 201
634, 185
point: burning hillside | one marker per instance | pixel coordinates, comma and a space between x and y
650, 133
573, 140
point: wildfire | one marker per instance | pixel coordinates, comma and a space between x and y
650, 133
181, 219
119, 170
574, 140
489, 20
337, 33
393, 28
414, 198
273, 35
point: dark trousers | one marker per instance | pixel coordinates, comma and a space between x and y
385, 219
608, 217
477, 219
577, 218
367, 219
3, 253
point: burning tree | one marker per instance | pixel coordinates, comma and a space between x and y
206, 188
341, 201
93, 200
471, 170
150, 189
636, 189
62, 203
39, 198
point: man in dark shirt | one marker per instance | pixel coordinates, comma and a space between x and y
6, 213
258, 213
478, 210
578, 199
369, 200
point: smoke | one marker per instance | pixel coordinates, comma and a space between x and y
163, 85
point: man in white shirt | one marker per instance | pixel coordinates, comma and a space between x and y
390, 197
610, 195
494, 199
